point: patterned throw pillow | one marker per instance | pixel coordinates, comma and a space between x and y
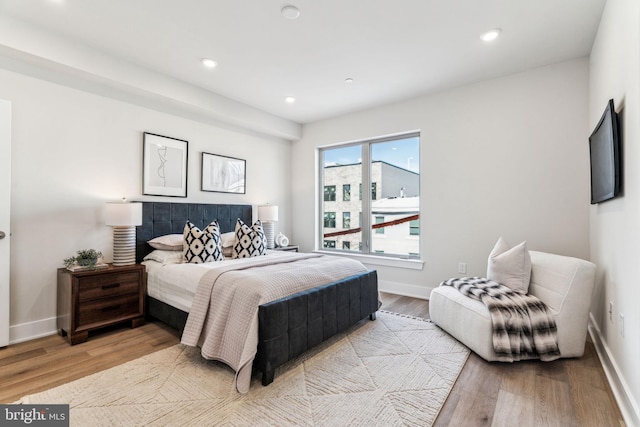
250, 241
202, 245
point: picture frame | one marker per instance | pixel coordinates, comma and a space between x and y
223, 174
164, 166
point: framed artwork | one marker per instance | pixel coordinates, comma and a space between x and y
164, 166
223, 174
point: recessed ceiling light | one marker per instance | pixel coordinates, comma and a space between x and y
290, 99
491, 35
348, 80
209, 63
290, 12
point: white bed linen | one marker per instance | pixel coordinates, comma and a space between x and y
176, 284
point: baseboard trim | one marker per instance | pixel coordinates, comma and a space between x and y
32, 330
404, 289
626, 402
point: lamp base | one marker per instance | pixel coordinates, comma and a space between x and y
269, 232
124, 246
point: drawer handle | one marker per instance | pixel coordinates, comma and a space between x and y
114, 285
111, 307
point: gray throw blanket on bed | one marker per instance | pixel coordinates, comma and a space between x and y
523, 326
223, 319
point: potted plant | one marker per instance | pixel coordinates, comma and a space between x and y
84, 258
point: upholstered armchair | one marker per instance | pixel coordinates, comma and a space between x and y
564, 284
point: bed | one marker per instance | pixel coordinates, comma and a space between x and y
286, 326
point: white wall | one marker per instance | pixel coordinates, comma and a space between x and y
502, 157
72, 151
615, 225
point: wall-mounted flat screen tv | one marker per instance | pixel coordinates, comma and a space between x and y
604, 148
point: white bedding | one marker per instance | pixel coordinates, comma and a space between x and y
176, 284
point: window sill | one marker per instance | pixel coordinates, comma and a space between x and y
377, 260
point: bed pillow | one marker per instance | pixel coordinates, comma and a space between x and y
168, 242
165, 257
228, 239
250, 241
202, 246
510, 266
227, 252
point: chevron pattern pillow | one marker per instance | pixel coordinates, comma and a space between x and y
202, 246
250, 241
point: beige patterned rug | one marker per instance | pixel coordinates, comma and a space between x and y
397, 370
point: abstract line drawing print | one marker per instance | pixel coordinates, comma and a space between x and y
167, 162
164, 166
162, 153
223, 174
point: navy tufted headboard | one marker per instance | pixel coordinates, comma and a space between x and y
160, 218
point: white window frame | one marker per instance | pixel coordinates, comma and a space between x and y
367, 256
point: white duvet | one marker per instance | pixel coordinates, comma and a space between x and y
176, 284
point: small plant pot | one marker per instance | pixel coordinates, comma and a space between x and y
87, 262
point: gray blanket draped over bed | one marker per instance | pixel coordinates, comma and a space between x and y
523, 326
223, 319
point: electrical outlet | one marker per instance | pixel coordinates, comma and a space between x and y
611, 311
462, 268
621, 325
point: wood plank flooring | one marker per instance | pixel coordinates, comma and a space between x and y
47, 362
567, 392
563, 393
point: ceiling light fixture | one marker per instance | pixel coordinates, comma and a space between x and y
290, 12
491, 35
348, 80
290, 99
209, 63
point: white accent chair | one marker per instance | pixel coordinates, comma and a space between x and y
564, 284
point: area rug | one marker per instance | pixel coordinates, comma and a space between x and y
396, 370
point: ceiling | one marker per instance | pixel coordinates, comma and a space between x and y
393, 50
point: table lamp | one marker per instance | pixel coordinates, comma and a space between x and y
268, 214
124, 217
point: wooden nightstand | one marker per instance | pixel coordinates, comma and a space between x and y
294, 248
93, 299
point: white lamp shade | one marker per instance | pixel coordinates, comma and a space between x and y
268, 213
123, 214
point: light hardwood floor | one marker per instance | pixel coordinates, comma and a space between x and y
567, 392
563, 393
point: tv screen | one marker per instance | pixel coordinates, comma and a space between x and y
604, 148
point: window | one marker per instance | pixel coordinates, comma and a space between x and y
379, 220
328, 244
373, 191
330, 193
346, 192
414, 227
390, 167
346, 220
330, 220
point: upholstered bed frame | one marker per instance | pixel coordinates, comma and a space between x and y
288, 326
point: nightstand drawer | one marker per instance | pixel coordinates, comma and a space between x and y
108, 309
97, 287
